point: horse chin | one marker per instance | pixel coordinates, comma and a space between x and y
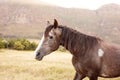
39, 58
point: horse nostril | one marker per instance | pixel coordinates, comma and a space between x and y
38, 54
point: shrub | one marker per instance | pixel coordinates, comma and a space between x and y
5, 42
62, 49
33, 46
18, 45
11, 43
26, 44
2, 45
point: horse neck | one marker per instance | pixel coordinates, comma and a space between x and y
76, 42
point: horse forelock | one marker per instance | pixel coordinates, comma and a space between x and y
48, 29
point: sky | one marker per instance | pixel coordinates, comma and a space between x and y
86, 4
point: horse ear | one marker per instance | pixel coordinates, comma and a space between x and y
55, 23
48, 23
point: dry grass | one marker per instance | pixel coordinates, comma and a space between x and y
21, 65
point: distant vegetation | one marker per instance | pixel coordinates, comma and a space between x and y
17, 44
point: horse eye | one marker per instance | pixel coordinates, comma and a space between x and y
51, 37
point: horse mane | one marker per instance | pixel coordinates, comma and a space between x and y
77, 42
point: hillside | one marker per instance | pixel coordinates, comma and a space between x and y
29, 21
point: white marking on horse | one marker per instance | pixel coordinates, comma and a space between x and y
51, 33
104, 75
100, 52
39, 45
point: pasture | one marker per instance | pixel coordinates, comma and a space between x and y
21, 65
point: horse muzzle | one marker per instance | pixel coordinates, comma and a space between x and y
38, 57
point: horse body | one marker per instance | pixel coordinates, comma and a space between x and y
92, 57
110, 61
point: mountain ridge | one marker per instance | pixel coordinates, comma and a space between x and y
29, 21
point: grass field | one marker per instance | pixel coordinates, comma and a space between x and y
21, 65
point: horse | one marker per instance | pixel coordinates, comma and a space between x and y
92, 56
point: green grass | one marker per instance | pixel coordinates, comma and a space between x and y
21, 65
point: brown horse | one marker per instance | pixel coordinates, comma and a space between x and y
92, 57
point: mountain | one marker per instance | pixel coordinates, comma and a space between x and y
29, 20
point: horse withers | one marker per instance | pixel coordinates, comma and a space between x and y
92, 57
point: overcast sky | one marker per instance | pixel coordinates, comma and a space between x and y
87, 4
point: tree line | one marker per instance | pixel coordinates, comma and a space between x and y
17, 44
